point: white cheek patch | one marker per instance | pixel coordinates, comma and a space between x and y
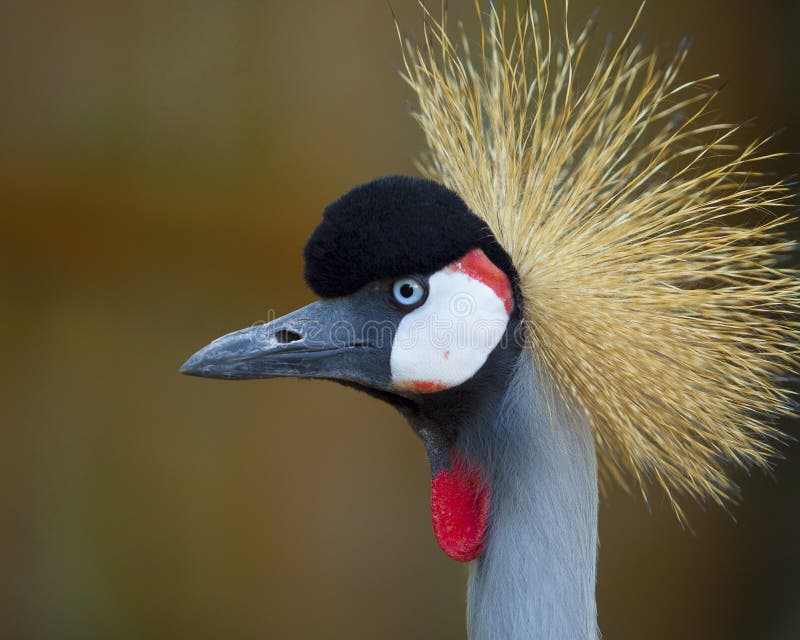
444, 342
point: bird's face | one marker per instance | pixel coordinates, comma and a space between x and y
418, 308
409, 336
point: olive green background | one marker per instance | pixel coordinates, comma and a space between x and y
161, 165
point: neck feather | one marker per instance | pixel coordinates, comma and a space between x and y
536, 576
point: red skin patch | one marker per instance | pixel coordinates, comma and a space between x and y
422, 386
478, 267
460, 509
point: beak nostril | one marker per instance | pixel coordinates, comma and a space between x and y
285, 336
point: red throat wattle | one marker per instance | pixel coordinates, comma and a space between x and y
460, 509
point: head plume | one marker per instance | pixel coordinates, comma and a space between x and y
653, 301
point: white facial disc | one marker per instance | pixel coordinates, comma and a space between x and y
444, 342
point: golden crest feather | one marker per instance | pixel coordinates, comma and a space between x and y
652, 301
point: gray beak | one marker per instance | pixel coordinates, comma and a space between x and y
326, 339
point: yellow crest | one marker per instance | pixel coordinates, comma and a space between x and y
650, 304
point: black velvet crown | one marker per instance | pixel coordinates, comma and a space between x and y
391, 227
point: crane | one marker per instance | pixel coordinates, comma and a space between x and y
571, 294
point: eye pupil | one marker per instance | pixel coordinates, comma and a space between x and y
409, 293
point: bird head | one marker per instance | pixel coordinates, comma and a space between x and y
642, 273
419, 307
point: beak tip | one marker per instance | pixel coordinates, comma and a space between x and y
192, 367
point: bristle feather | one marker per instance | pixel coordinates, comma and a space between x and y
656, 311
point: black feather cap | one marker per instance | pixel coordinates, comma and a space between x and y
392, 227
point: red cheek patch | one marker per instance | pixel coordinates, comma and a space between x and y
478, 267
460, 509
422, 386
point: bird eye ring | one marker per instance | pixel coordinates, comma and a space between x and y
409, 293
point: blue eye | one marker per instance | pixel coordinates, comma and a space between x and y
409, 292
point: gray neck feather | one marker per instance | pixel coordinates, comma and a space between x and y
536, 576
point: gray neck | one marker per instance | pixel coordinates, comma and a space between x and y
536, 576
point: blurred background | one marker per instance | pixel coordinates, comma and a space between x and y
161, 165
